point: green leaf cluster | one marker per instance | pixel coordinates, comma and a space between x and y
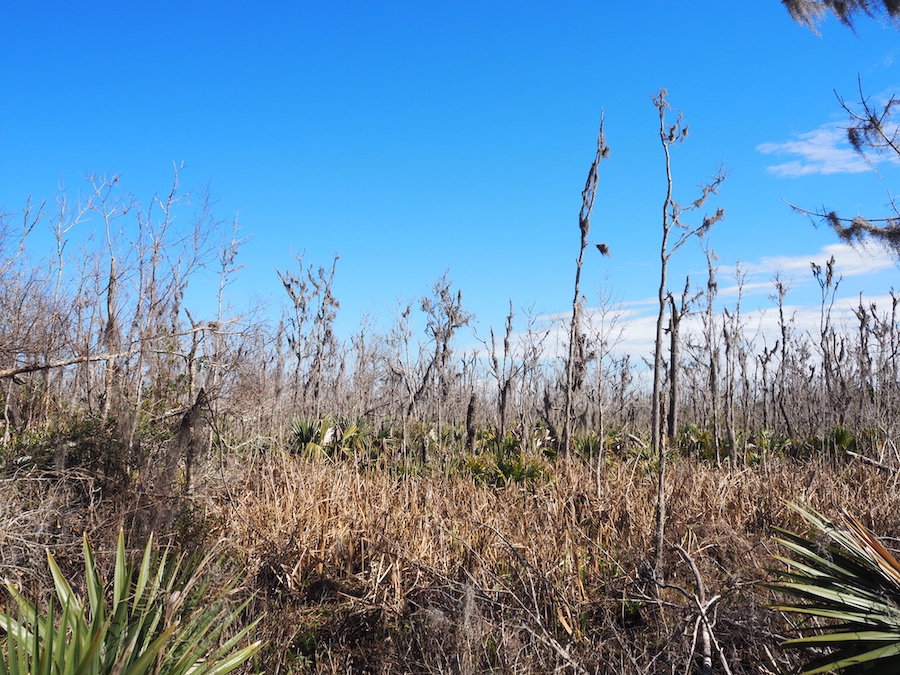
154, 619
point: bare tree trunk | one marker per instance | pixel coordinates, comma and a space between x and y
730, 439
784, 371
676, 314
656, 441
110, 337
470, 423
672, 212
575, 363
731, 332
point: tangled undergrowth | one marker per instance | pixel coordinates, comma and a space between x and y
392, 567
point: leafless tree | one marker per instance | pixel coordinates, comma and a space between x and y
444, 317
786, 363
672, 224
511, 366
677, 312
732, 333
312, 339
576, 360
710, 334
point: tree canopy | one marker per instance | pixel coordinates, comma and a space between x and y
810, 12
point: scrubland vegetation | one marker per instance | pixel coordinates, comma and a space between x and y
391, 503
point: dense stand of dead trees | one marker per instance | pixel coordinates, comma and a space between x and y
111, 335
110, 332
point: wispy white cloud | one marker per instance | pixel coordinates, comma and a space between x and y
850, 261
733, 290
630, 327
761, 318
822, 151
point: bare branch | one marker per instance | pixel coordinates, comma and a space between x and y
38, 367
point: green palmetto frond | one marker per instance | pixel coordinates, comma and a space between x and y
155, 619
847, 577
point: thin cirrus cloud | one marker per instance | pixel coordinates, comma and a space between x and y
850, 261
822, 151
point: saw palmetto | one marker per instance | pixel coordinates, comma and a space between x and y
847, 586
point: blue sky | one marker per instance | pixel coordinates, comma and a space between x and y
413, 138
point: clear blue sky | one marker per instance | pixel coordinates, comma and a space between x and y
415, 137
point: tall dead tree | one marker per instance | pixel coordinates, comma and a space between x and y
677, 311
711, 337
672, 225
445, 316
786, 367
110, 210
312, 339
576, 361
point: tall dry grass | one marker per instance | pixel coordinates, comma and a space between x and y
388, 570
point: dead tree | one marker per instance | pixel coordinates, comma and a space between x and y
444, 317
510, 368
110, 210
711, 336
576, 361
672, 224
677, 312
312, 339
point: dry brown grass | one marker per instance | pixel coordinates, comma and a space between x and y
41, 510
397, 572
364, 569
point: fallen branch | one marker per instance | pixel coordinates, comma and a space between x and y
38, 367
703, 624
874, 462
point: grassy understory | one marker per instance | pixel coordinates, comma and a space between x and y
389, 566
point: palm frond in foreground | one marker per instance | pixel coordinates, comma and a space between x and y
847, 578
154, 619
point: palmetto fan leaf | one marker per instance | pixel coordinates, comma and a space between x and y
846, 577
